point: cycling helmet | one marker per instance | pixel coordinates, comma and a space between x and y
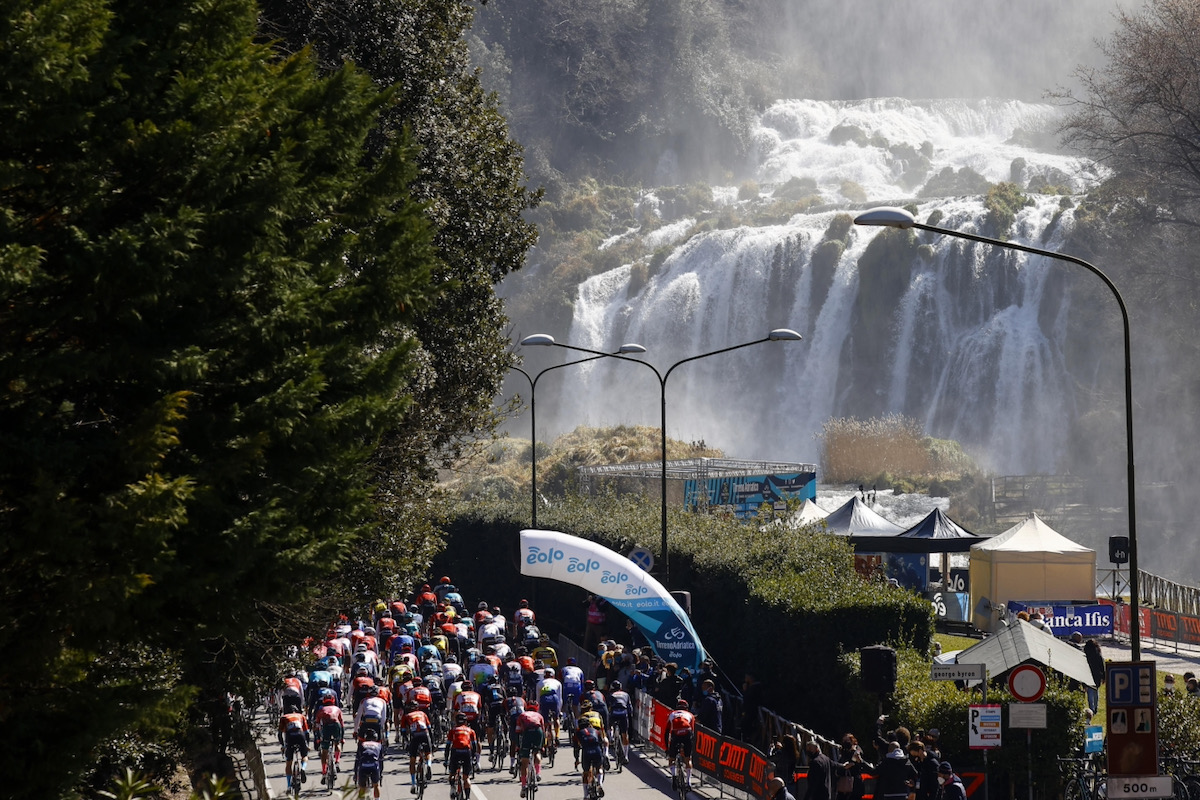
681, 704
571, 661
417, 680
370, 734
425, 587
615, 685
523, 604
482, 606
450, 659
328, 699
589, 685
361, 647
544, 639
460, 718
585, 705
445, 579
549, 673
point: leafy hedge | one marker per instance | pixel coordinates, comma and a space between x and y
783, 604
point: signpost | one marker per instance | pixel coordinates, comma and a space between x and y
1026, 683
1132, 696
958, 672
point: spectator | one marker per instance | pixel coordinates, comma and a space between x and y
896, 776
951, 785
819, 784
1168, 684
1095, 660
667, 685
777, 791
932, 740
752, 698
708, 707
594, 632
1193, 688
927, 771
785, 756
634, 638
850, 781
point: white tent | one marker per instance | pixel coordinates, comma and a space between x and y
1030, 562
808, 513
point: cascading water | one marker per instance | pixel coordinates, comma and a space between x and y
969, 339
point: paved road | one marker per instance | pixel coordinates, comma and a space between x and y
641, 779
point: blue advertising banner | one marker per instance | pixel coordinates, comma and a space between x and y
566, 558
1088, 620
744, 495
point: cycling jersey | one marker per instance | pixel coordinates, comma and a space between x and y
546, 654
593, 719
530, 719
589, 739
462, 737
415, 722
422, 697
294, 726
371, 713
680, 722
468, 704
572, 681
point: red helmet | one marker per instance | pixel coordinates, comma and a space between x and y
444, 579
681, 704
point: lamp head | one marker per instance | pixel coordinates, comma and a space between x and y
784, 335
886, 216
543, 339
631, 347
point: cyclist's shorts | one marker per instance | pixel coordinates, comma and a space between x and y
371, 725
573, 693
591, 759
369, 776
460, 759
331, 732
293, 745
621, 723
681, 741
532, 741
417, 742
550, 706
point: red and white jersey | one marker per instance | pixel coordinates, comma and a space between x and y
415, 722
680, 722
528, 720
329, 713
372, 709
468, 704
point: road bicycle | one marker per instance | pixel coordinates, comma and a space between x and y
1185, 774
1083, 779
422, 771
329, 766
297, 776
458, 790
678, 780
499, 746
614, 743
550, 750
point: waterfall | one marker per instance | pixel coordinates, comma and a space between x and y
969, 339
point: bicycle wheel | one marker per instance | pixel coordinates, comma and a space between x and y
1075, 790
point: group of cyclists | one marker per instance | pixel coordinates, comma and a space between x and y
425, 671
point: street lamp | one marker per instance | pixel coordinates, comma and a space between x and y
891, 217
777, 335
625, 348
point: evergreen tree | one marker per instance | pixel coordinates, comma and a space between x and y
208, 302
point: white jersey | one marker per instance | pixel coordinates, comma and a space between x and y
451, 672
481, 673
548, 687
572, 679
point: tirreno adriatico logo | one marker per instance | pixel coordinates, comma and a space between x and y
672, 641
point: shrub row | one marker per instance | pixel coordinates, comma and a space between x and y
785, 605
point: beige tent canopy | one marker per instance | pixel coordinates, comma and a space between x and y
1030, 562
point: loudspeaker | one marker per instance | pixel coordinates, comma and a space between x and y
1118, 549
878, 668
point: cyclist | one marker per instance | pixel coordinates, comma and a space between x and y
681, 727
530, 726
591, 743
586, 714
489, 631
320, 678
293, 695
462, 748
550, 700
523, 617
620, 708
469, 705
572, 681
368, 763
293, 730
481, 673
513, 677
493, 699
599, 703
330, 728
372, 715
416, 723
444, 587
545, 653
514, 706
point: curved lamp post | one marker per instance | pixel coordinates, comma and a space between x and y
533, 380
891, 217
777, 335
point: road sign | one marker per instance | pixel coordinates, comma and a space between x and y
1095, 739
1141, 786
1027, 715
983, 727
641, 557
958, 672
1133, 721
1026, 683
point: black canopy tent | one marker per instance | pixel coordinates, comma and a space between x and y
936, 533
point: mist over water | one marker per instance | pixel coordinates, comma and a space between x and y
972, 344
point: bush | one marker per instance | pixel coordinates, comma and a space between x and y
748, 190
853, 449
753, 590
1003, 201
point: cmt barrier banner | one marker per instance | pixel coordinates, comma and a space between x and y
1157, 624
632, 590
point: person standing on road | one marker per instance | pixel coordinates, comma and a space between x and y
777, 791
897, 776
819, 785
